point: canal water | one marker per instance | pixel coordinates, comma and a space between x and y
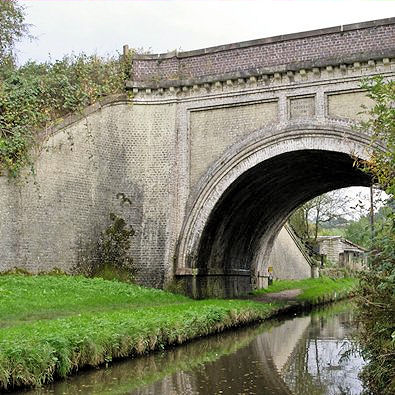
301, 355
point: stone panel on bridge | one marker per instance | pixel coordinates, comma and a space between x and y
213, 130
348, 105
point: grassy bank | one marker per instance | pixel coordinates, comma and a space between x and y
51, 326
314, 290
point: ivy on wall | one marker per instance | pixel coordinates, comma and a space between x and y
34, 95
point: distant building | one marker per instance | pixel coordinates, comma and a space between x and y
343, 252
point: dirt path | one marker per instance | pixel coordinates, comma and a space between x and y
284, 296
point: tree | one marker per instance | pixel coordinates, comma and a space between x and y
12, 29
359, 232
376, 294
311, 216
381, 124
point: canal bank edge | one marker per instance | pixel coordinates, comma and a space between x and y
41, 350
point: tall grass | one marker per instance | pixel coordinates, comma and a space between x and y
100, 320
51, 326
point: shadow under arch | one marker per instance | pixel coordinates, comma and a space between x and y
245, 198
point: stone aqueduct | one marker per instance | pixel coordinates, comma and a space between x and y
214, 149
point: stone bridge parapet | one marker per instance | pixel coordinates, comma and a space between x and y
341, 46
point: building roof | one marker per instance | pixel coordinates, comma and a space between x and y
352, 246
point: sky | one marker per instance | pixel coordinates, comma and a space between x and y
104, 26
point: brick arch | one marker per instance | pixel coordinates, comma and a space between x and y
243, 200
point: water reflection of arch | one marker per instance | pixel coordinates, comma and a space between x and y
252, 371
279, 343
262, 359
317, 364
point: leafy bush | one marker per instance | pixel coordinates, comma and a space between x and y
377, 311
110, 257
33, 96
114, 260
376, 296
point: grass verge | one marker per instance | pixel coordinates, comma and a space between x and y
51, 326
314, 290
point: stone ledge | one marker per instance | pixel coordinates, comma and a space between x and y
187, 271
366, 57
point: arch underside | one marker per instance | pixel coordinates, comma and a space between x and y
249, 214
239, 212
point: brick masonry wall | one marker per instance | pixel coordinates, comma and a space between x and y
286, 259
54, 219
338, 43
213, 131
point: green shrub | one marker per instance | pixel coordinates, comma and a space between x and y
110, 257
376, 302
33, 96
